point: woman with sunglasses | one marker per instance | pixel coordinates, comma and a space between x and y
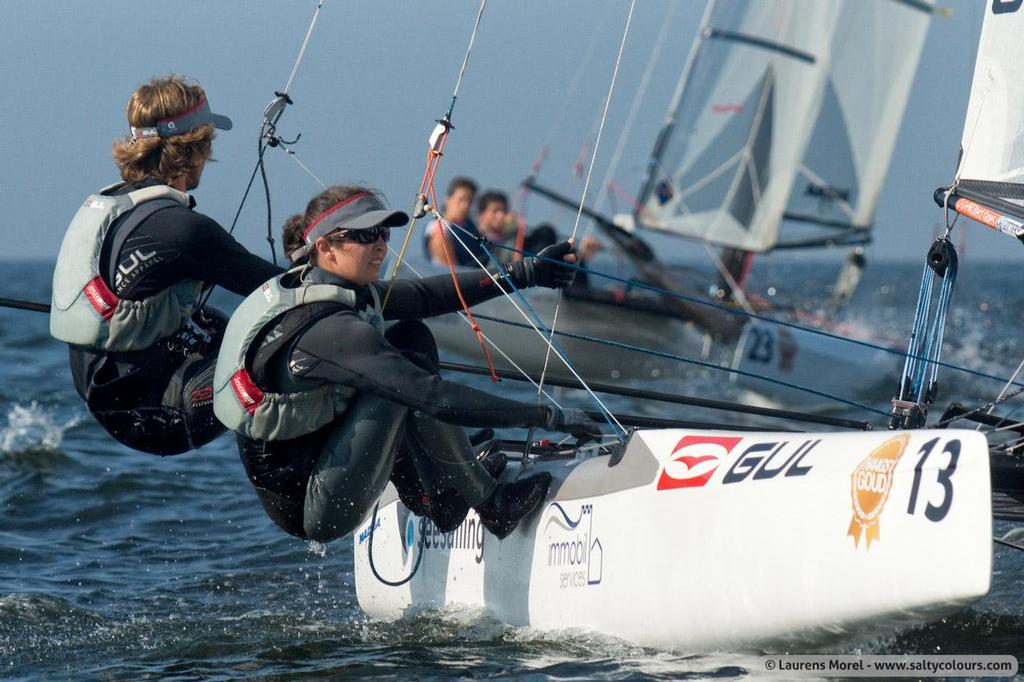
329, 404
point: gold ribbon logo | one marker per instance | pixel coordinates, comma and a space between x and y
870, 485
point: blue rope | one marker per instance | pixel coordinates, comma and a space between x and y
734, 311
913, 369
946, 296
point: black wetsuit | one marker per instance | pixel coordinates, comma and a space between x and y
129, 392
403, 408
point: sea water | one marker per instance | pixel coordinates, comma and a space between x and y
121, 565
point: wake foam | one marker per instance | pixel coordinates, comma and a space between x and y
30, 428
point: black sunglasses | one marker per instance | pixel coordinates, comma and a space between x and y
368, 236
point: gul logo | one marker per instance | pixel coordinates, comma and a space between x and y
135, 260
267, 293
765, 461
870, 485
573, 549
699, 460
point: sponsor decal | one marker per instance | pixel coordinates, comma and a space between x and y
133, 266
727, 108
93, 203
573, 551
1006, 6
468, 536
102, 299
693, 461
763, 461
870, 485
364, 535
409, 537
246, 390
202, 395
267, 293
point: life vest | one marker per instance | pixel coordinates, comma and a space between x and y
85, 311
240, 400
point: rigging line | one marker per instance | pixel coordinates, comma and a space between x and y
590, 172
977, 410
722, 405
1009, 427
266, 193
639, 284
462, 299
435, 149
465, 60
604, 116
1008, 384
204, 297
634, 109
302, 50
267, 126
493, 345
699, 363
305, 168
574, 84
612, 421
248, 188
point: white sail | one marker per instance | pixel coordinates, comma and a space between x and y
740, 122
874, 56
992, 148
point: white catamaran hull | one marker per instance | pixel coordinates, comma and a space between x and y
701, 541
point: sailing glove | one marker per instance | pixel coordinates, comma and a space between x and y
574, 422
546, 269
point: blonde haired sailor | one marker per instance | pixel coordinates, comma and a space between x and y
130, 271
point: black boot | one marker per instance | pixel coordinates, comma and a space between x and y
512, 502
447, 510
494, 461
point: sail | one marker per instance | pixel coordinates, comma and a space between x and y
991, 168
874, 56
724, 165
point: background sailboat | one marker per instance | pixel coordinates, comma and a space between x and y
779, 135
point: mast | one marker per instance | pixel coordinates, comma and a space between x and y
673, 110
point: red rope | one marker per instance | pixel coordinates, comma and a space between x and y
427, 189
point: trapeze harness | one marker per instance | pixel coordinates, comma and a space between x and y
163, 406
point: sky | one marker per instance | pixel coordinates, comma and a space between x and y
375, 77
